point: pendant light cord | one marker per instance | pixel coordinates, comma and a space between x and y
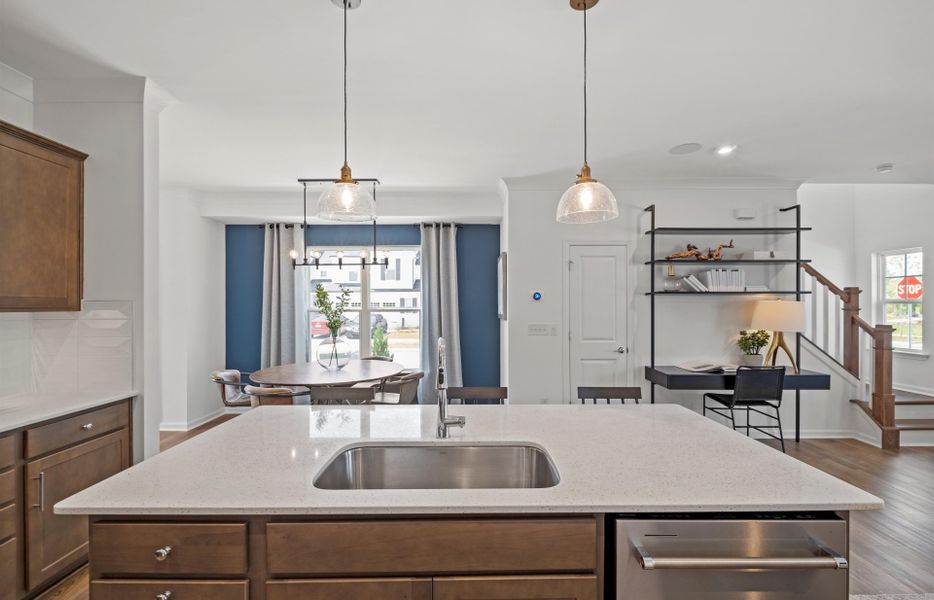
346, 2
585, 82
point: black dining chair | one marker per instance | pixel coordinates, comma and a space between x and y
758, 390
609, 394
479, 395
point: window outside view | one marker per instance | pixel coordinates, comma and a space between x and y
384, 314
902, 297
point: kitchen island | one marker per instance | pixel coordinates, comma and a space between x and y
236, 512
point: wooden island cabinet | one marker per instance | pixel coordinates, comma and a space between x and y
40, 465
348, 558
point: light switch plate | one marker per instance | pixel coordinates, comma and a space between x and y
538, 329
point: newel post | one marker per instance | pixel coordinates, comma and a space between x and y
883, 395
851, 331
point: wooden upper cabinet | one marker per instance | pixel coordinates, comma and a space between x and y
41, 238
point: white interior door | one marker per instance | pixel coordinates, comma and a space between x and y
597, 319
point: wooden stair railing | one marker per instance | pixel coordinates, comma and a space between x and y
846, 348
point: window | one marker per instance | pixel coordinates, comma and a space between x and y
376, 323
902, 295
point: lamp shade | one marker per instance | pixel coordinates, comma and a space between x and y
779, 315
346, 201
587, 202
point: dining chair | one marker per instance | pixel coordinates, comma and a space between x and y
271, 396
231, 388
341, 395
608, 394
400, 389
758, 390
479, 395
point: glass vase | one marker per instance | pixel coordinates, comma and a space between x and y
333, 353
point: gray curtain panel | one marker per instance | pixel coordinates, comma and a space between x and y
439, 305
279, 297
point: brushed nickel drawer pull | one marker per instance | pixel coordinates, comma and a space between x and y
163, 553
41, 505
164, 595
87, 426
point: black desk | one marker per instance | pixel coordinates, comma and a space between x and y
675, 378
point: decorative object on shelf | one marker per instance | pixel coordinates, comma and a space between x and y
715, 254
690, 252
768, 255
345, 199
779, 316
312, 258
501, 286
672, 282
752, 342
334, 352
588, 200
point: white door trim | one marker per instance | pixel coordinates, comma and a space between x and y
567, 394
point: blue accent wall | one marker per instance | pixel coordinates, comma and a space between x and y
244, 289
477, 250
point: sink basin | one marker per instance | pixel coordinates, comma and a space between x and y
438, 467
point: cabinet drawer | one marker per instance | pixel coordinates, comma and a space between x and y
6, 452
7, 487
147, 589
350, 589
7, 521
8, 585
432, 547
564, 587
191, 549
72, 430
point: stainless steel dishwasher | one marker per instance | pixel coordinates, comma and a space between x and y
731, 559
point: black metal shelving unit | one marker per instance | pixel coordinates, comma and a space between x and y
655, 231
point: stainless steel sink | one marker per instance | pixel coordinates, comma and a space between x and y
438, 467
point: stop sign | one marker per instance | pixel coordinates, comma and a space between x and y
909, 288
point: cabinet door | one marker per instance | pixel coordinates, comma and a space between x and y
396, 588
552, 587
41, 200
55, 542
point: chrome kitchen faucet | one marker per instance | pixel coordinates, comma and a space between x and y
441, 385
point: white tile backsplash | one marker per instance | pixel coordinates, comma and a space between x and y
55, 352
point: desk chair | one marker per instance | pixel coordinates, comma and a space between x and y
758, 390
609, 394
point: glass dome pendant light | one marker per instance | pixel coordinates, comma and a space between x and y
588, 200
346, 199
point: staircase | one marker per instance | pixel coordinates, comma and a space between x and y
837, 330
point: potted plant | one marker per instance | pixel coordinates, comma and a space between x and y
333, 352
751, 343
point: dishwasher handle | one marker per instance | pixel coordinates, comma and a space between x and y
830, 560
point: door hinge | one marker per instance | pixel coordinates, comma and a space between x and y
570, 262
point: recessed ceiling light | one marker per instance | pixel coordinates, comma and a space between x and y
685, 148
725, 150
885, 168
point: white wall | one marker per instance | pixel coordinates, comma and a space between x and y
104, 118
192, 300
16, 97
854, 222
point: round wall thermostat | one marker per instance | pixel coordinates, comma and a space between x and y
536, 296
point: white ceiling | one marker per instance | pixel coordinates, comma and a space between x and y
462, 93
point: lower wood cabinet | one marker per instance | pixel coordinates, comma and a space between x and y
53, 542
399, 588
8, 554
557, 587
168, 589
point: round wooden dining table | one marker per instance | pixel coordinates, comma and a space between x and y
311, 374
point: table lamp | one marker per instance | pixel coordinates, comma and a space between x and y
778, 317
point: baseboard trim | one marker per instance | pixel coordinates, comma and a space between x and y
189, 425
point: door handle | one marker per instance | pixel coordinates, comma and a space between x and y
621, 350
830, 560
41, 504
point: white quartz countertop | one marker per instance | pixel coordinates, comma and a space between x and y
23, 410
635, 458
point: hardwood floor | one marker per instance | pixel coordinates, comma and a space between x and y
891, 549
